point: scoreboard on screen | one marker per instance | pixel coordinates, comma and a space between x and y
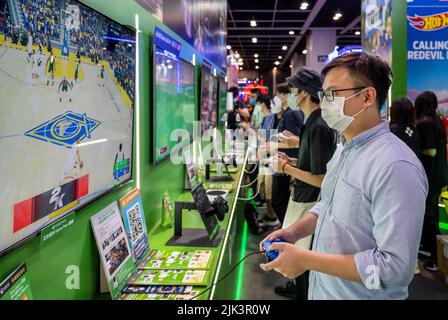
53, 202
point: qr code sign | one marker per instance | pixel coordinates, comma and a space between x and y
135, 221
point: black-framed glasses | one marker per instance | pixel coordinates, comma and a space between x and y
329, 94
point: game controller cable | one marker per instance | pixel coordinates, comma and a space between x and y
227, 274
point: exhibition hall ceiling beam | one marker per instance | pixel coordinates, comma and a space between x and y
352, 25
316, 9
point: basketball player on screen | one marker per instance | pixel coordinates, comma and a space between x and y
36, 64
102, 76
51, 65
29, 47
65, 85
78, 62
74, 163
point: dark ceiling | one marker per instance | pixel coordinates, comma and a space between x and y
275, 18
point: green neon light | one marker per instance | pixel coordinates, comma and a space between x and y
443, 226
240, 276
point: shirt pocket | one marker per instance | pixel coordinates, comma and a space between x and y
346, 205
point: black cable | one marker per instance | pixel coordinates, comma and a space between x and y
228, 273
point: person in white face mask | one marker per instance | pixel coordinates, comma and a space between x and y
286, 119
368, 223
308, 167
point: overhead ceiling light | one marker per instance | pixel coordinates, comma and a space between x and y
256, 55
304, 5
256, 67
291, 32
337, 15
284, 48
228, 47
357, 33
254, 40
276, 63
305, 51
256, 60
290, 66
280, 57
253, 23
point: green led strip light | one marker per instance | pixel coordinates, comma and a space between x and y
240, 276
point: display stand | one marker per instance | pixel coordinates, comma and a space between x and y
209, 178
190, 237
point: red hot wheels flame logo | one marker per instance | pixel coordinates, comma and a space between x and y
429, 23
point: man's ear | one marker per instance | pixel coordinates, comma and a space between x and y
370, 96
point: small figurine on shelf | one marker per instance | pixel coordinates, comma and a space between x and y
167, 212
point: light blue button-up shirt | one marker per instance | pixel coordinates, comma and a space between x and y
372, 207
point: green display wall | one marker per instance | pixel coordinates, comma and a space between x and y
399, 45
50, 266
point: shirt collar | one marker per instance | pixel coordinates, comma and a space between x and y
368, 135
313, 115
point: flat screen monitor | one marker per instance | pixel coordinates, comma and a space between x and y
174, 102
209, 100
222, 100
66, 112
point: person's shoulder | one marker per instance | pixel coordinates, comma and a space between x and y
426, 121
389, 149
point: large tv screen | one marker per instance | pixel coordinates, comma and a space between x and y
174, 101
209, 100
66, 112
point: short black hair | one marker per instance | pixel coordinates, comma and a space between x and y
266, 99
256, 91
402, 112
367, 70
235, 91
283, 88
426, 105
313, 99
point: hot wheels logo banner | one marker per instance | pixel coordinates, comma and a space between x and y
429, 23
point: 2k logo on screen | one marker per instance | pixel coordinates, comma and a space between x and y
65, 130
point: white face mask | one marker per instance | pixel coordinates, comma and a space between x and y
333, 112
292, 101
276, 105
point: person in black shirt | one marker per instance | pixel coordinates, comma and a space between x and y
433, 156
317, 144
240, 111
402, 124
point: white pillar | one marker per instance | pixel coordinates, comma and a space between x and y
319, 44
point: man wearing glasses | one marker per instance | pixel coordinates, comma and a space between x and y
367, 225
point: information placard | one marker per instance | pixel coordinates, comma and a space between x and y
175, 259
113, 246
16, 286
134, 222
170, 277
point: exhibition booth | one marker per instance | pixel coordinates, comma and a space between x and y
106, 191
